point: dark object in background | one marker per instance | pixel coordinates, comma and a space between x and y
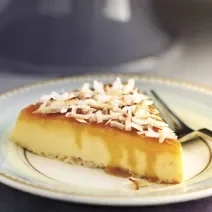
74, 36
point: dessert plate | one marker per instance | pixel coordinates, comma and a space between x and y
54, 179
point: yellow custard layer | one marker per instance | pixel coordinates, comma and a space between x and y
99, 146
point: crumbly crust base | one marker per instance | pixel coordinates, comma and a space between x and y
90, 164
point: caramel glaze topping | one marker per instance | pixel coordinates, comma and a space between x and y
118, 172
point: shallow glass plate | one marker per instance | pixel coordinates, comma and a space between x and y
54, 179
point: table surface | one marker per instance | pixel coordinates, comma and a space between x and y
183, 60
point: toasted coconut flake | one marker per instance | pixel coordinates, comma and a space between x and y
105, 111
102, 98
64, 110
147, 105
99, 116
86, 87
93, 110
140, 132
47, 110
77, 116
128, 120
134, 184
63, 96
139, 121
71, 96
97, 106
90, 102
45, 98
54, 95
155, 123
85, 95
166, 133
117, 124
80, 116
68, 115
108, 121
133, 109
117, 114
124, 110
157, 117
129, 87
116, 102
138, 183
142, 114
122, 119
74, 110
152, 134
128, 100
121, 105
82, 121
110, 116
98, 86
117, 109
117, 85
138, 98
137, 127
92, 117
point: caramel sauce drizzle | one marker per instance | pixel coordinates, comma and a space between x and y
118, 172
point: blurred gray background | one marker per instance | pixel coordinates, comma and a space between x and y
182, 50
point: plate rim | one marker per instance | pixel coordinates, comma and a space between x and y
44, 191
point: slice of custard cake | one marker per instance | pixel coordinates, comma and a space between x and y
114, 127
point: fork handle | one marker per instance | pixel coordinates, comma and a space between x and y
204, 133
